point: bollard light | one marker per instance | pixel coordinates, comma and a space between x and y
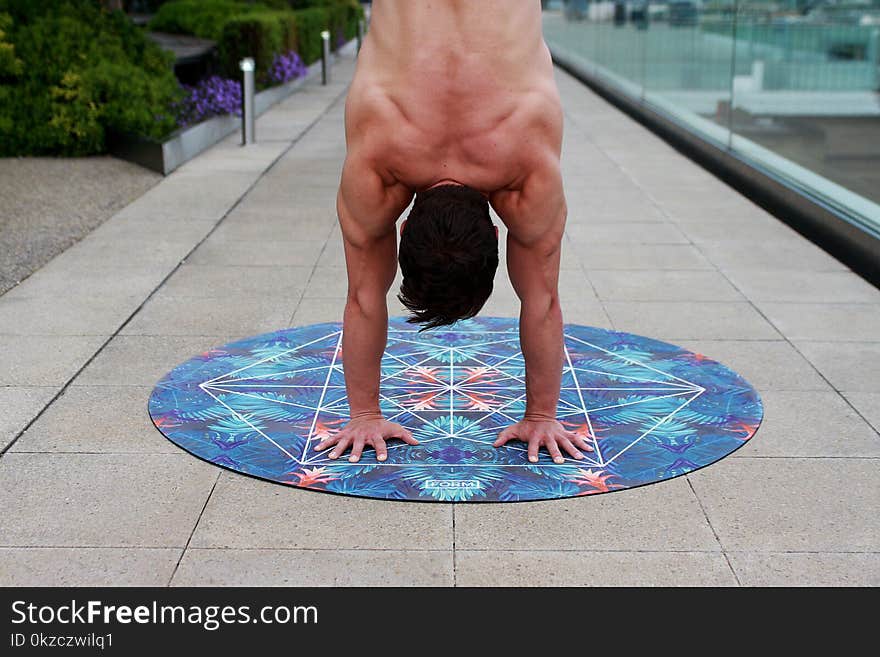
325, 57
248, 120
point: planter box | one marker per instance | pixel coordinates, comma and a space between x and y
186, 143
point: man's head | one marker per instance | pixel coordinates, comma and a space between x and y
448, 256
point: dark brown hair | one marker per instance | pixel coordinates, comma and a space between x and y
448, 256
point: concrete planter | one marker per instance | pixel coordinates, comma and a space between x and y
185, 144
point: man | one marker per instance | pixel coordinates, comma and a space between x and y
453, 101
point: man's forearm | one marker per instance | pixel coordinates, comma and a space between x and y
365, 333
541, 341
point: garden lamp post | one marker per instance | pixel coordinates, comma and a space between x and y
248, 120
325, 57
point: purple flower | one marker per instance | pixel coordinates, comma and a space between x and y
285, 67
213, 96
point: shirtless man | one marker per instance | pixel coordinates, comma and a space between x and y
453, 101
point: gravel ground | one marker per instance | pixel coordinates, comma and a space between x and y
47, 204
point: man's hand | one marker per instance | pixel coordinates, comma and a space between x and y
370, 430
546, 432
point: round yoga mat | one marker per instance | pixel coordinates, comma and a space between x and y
650, 410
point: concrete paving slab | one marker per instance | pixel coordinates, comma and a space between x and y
595, 234
591, 568
789, 254
165, 315
77, 315
766, 364
832, 322
663, 516
798, 504
847, 365
810, 424
807, 568
97, 419
234, 567
81, 566
142, 360
247, 513
65, 282
101, 500
662, 285
817, 287
671, 320
867, 403
316, 311
327, 282
746, 229
44, 360
642, 256
281, 253
21, 405
220, 282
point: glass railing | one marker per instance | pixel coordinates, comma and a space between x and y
792, 88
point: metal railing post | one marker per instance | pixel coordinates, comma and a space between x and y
325, 57
248, 120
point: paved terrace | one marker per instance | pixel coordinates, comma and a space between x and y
244, 241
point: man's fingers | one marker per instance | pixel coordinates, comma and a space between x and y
381, 450
357, 448
533, 450
503, 437
570, 448
407, 437
324, 444
582, 444
553, 448
340, 448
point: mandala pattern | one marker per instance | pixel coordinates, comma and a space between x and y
650, 410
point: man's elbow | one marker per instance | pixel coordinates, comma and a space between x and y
543, 306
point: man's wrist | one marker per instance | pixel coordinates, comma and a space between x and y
537, 416
366, 414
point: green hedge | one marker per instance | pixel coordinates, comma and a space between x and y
83, 70
262, 29
255, 35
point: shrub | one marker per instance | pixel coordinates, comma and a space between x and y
309, 23
84, 70
257, 35
201, 18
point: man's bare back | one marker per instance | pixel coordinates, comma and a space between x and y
458, 92
452, 88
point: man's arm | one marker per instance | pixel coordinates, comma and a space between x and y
367, 210
535, 216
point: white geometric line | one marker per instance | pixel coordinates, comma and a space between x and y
408, 365
268, 358
586, 413
634, 362
223, 385
501, 372
321, 400
639, 401
669, 384
248, 422
243, 393
257, 377
662, 420
476, 344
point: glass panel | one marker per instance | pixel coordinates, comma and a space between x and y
791, 86
805, 98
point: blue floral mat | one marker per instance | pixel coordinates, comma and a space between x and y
650, 410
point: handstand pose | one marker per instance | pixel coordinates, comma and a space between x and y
454, 102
